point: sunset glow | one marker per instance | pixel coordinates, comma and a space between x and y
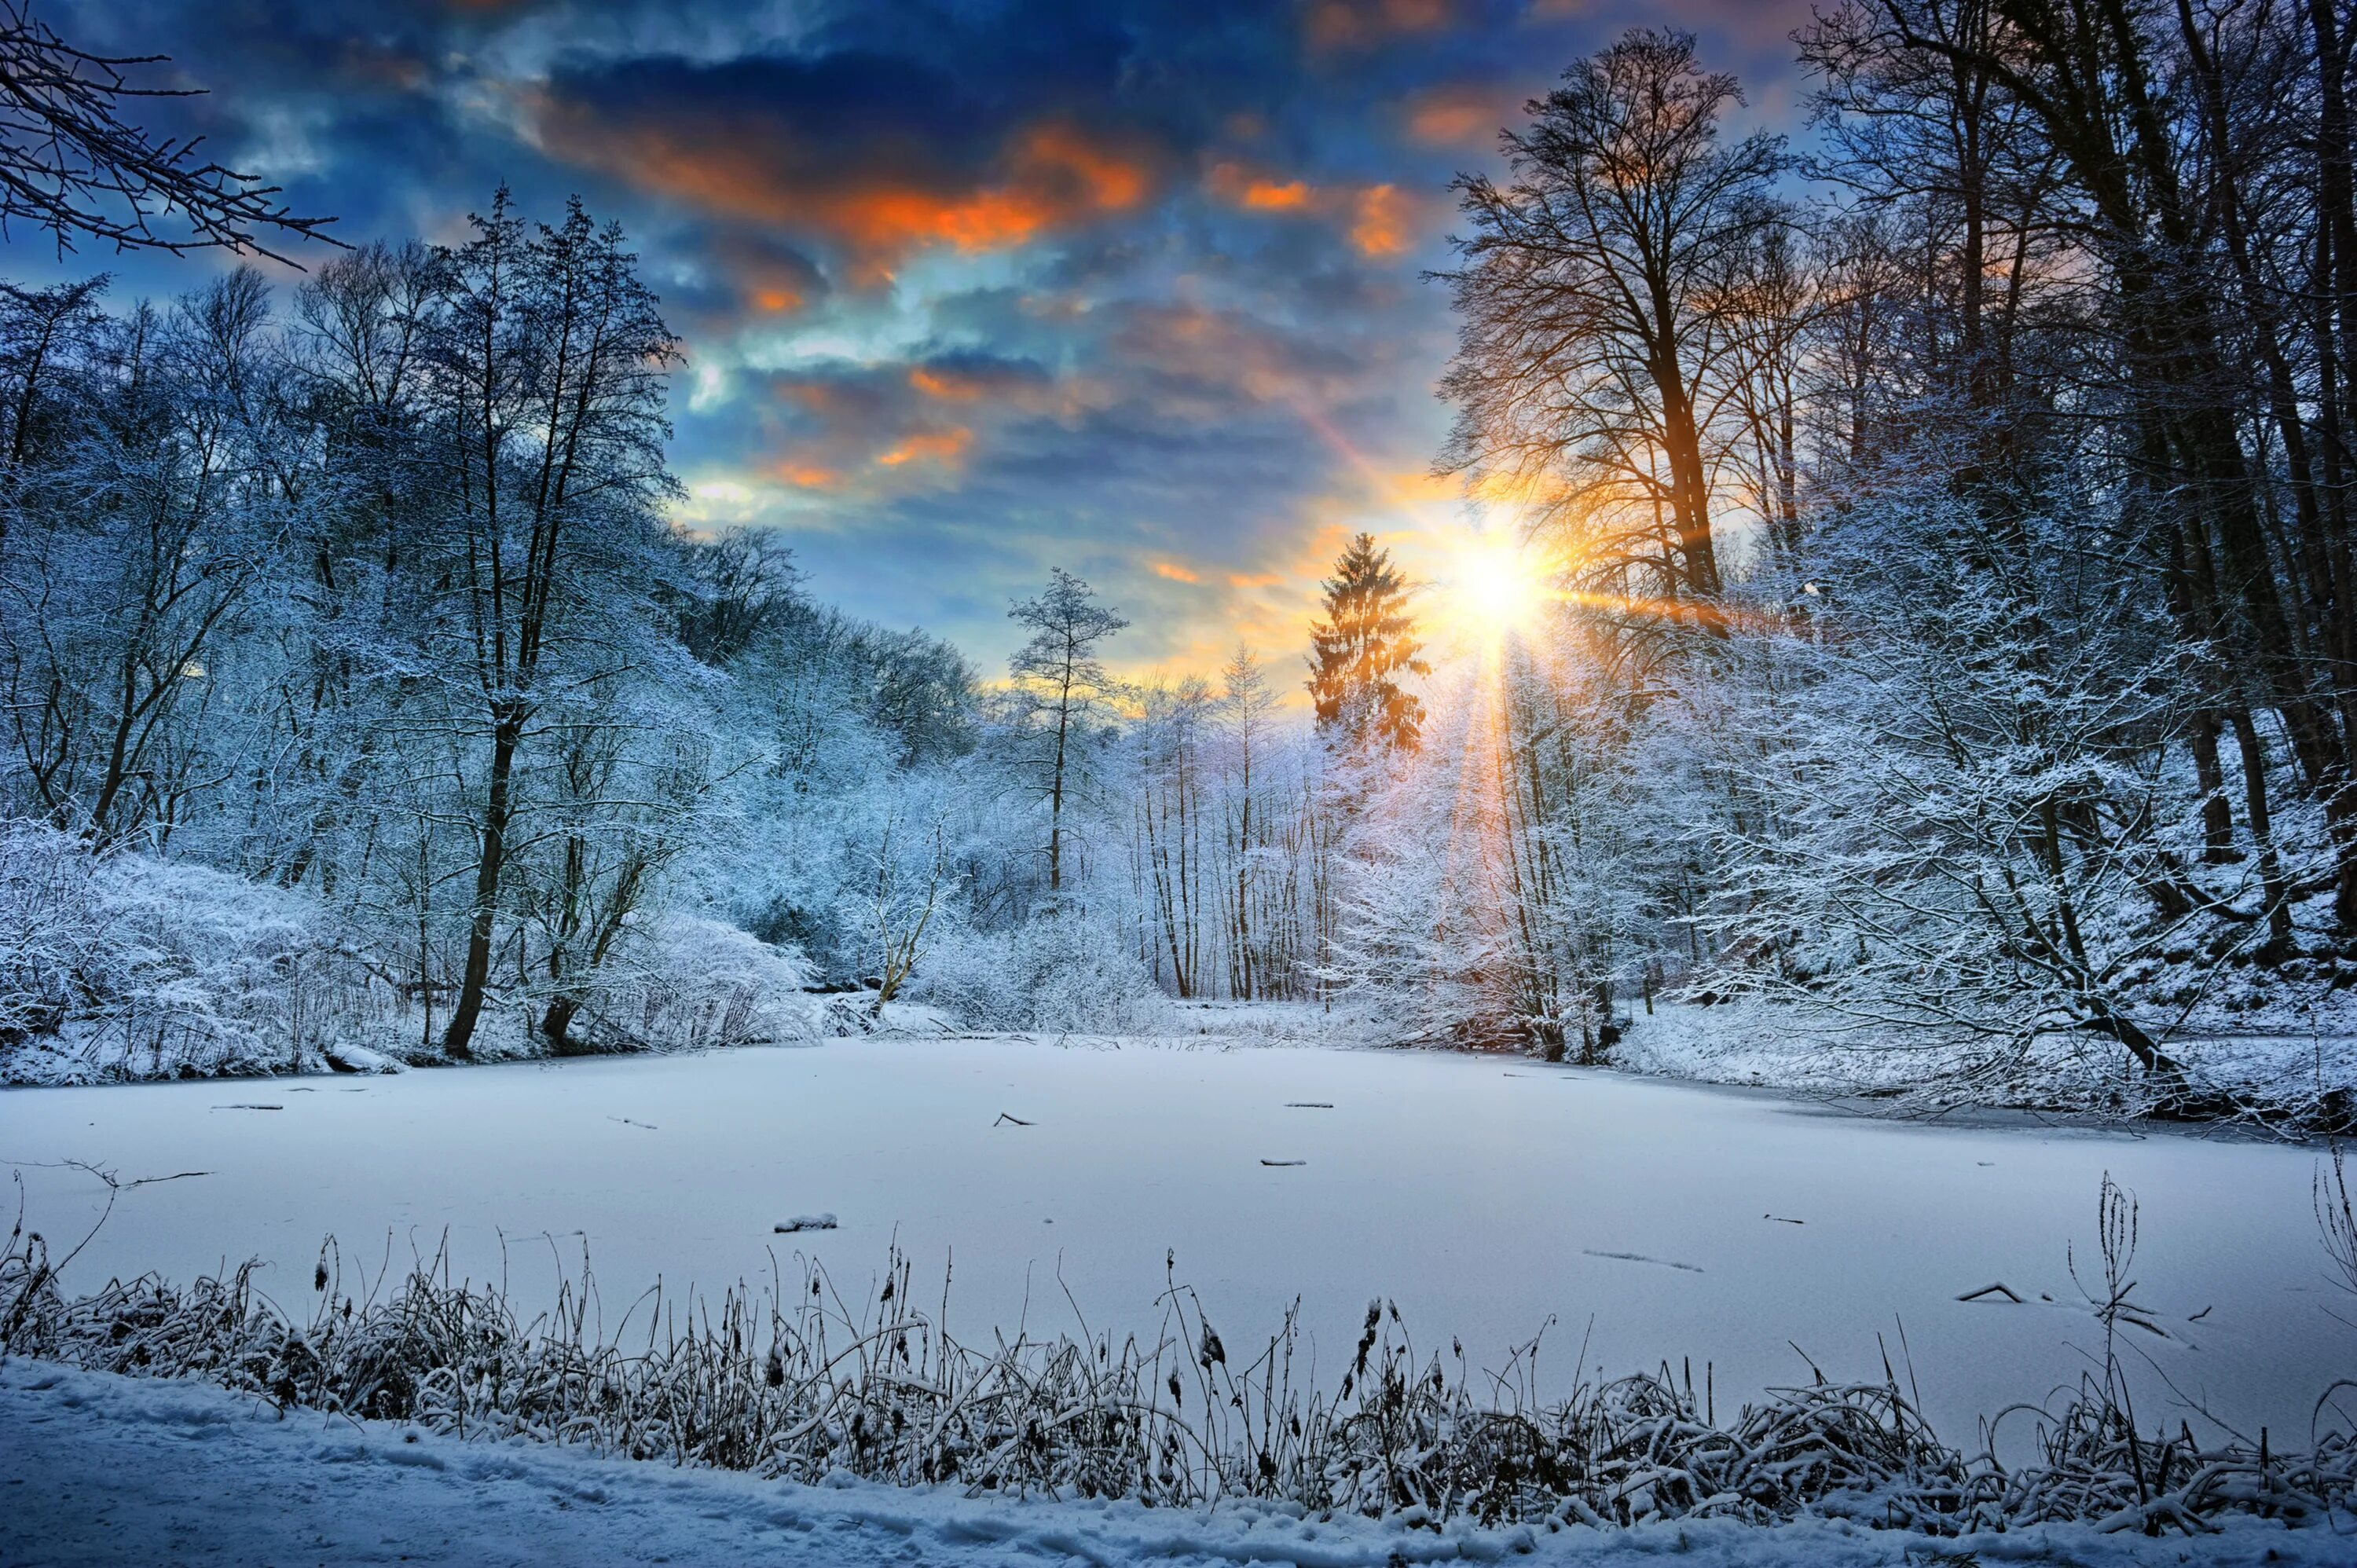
1495, 588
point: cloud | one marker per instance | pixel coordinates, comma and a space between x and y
805, 476
1363, 24
945, 445
880, 156
1379, 221
1382, 222
1002, 382
1176, 572
1239, 187
1462, 113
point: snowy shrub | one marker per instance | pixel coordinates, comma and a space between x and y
689, 981
1065, 973
46, 902
699, 983
123, 965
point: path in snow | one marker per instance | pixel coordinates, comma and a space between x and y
103, 1470
1484, 1196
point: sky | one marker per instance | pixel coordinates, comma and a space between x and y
968, 290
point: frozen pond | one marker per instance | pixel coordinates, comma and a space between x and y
1649, 1219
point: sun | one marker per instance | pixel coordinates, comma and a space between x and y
1495, 588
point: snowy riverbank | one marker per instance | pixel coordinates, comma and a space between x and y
198, 1476
2284, 1067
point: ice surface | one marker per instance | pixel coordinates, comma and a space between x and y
1487, 1197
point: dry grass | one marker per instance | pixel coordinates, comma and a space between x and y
792, 1381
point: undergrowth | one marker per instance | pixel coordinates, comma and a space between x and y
792, 1380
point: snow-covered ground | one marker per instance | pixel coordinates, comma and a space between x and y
99, 1469
1645, 1219
2276, 1060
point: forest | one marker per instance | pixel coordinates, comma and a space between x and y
1887, 655
1915, 639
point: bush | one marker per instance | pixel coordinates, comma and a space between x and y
126, 966
1060, 973
702, 982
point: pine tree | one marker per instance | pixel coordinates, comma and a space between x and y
1367, 639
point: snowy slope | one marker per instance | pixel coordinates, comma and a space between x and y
98, 1469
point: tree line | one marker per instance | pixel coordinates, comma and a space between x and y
1950, 525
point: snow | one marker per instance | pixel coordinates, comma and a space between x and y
1645, 1219
100, 1469
2280, 1057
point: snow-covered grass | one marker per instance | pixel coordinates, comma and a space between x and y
795, 1381
196, 1474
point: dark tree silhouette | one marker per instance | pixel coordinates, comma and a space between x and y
71, 164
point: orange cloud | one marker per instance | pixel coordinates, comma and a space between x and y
1381, 222
775, 301
1255, 580
1378, 219
1356, 23
1047, 176
1420, 485
1174, 572
1260, 196
1239, 187
946, 385
1055, 178
805, 476
931, 445
1457, 114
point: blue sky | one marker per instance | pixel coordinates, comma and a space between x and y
969, 290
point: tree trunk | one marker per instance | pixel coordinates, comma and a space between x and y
497, 809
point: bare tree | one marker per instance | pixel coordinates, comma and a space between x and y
71, 164
1596, 330
1059, 668
551, 357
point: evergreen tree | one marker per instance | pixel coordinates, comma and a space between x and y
1366, 639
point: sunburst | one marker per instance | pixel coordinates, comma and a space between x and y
1494, 588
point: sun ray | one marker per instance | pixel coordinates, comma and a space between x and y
1494, 588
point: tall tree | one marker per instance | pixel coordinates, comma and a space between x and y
1596, 323
1360, 650
551, 357
1060, 670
